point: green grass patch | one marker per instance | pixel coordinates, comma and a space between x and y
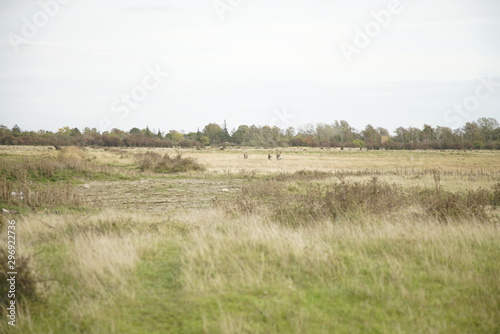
159, 305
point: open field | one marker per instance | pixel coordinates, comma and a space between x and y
323, 241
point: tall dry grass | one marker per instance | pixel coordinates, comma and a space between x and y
252, 273
392, 274
40, 181
306, 197
151, 161
80, 262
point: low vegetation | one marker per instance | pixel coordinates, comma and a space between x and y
306, 197
151, 161
47, 180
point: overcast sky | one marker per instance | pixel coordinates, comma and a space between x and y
274, 62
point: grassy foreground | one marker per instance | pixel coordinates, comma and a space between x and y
283, 253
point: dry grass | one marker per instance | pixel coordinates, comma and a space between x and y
327, 160
249, 273
295, 159
322, 241
84, 260
306, 197
303, 279
46, 180
25, 284
151, 161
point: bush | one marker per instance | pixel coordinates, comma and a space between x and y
446, 206
296, 199
151, 161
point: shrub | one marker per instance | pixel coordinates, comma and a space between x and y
151, 161
295, 199
446, 206
371, 197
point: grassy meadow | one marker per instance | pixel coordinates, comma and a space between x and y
204, 241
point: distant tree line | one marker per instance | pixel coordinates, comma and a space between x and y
481, 134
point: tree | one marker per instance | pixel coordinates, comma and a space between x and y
117, 132
348, 132
89, 131
214, 133
270, 136
135, 130
472, 132
242, 135
487, 127
343, 132
445, 136
324, 132
204, 140
402, 135
146, 131
415, 134
427, 134
175, 136
16, 129
290, 132
75, 132
193, 136
358, 143
4, 129
64, 131
383, 131
225, 133
370, 136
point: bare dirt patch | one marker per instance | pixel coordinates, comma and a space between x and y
157, 195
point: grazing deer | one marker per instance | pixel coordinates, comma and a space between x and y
278, 155
245, 156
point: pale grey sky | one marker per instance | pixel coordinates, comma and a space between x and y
246, 61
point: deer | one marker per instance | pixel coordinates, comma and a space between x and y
278, 155
245, 156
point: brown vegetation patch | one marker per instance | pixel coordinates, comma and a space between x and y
151, 161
